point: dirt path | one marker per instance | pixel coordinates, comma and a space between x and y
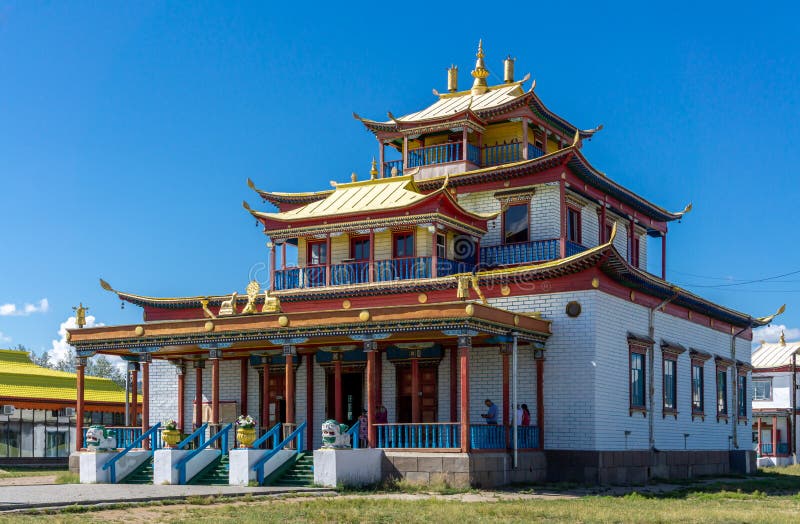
28, 481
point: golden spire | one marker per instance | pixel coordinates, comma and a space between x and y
782, 339
452, 79
480, 73
353, 177
373, 172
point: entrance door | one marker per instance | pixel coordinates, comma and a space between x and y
277, 400
352, 396
428, 384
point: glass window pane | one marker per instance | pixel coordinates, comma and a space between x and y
637, 380
515, 224
669, 384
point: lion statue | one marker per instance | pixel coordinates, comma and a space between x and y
333, 435
98, 438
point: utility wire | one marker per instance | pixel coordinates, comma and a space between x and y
745, 282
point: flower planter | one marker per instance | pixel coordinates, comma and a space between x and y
246, 436
171, 437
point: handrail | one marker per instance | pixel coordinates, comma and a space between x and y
273, 432
181, 464
112, 464
201, 431
259, 465
353, 432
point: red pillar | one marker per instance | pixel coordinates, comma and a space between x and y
465, 141
283, 255
310, 401
663, 256
434, 255
453, 384
562, 203
758, 429
79, 407
540, 400
272, 266
507, 395
525, 138
265, 422
146, 401
243, 385
328, 256
372, 404
416, 400
371, 268
774, 436
603, 238
198, 393
381, 156
181, 389
337, 387
378, 378
464, 344
134, 396
631, 244
215, 393
289, 387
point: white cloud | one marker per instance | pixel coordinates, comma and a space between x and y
9, 309
61, 350
4, 338
772, 333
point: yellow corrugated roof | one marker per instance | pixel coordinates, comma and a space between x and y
450, 104
19, 377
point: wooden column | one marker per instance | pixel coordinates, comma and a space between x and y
378, 378
265, 400
337, 387
774, 436
540, 400
603, 238
465, 141
181, 371
453, 384
328, 256
507, 410
758, 437
310, 428
525, 138
243, 385
562, 204
288, 353
80, 368
198, 392
134, 395
371, 267
631, 237
434, 255
283, 255
381, 157
145, 402
405, 153
370, 348
272, 263
215, 389
663, 256
416, 400
464, 346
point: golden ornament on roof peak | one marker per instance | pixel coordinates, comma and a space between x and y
480, 73
373, 172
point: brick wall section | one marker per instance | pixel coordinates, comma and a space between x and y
163, 392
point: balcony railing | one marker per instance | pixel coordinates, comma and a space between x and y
438, 154
420, 436
402, 269
387, 167
766, 448
451, 152
573, 248
494, 437
502, 154
524, 252
783, 448
534, 152
349, 273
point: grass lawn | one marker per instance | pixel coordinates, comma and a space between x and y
772, 496
7, 472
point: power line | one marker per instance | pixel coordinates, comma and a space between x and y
745, 282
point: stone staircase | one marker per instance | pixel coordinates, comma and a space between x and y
299, 474
141, 475
215, 474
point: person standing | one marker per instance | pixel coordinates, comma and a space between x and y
491, 413
363, 429
526, 415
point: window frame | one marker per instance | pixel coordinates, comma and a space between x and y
578, 230
442, 245
741, 396
673, 361
640, 351
528, 221
722, 393
634, 249
398, 234
698, 411
310, 244
763, 380
359, 239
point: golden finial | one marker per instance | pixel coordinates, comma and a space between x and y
373, 172
80, 315
452, 79
480, 73
508, 70
353, 177
782, 340
395, 172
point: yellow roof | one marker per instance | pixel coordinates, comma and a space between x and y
452, 103
19, 377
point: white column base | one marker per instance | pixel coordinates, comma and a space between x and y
164, 471
92, 462
348, 467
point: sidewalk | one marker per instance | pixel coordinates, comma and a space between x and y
58, 495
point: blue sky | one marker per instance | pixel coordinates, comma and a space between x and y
128, 130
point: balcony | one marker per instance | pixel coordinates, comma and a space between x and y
349, 273
526, 252
453, 152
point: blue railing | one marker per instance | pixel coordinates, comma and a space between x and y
446, 267
353, 433
295, 435
783, 448
438, 154
487, 436
534, 152
402, 269
502, 154
275, 433
573, 248
222, 436
199, 434
124, 434
766, 448
387, 167
474, 154
521, 252
349, 273
527, 437
287, 278
423, 436
313, 276
112, 464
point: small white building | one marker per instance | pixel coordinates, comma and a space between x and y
774, 377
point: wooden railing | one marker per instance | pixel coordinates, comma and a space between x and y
402, 269
435, 435
438, 154
486, 436
387, 167
502, 154
573, 248
521, 252
349, 273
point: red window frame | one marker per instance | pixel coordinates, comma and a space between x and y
577, 227
668, 357
309, 248
635, 250
722, 415
398, 234
503, 220
356, 239
637, 349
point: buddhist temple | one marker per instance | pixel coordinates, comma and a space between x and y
483, 265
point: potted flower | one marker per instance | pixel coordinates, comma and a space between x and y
245, 431
171, 435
